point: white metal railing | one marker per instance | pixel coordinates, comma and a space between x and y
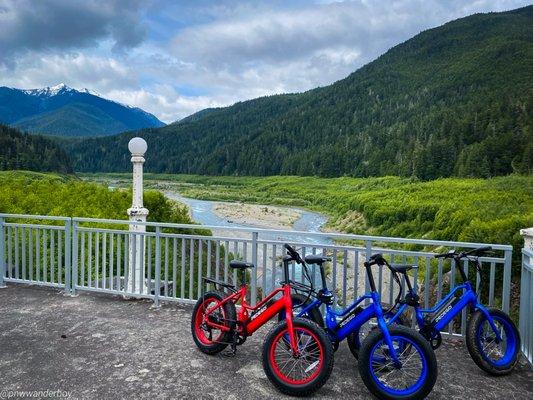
86, 254
526, 304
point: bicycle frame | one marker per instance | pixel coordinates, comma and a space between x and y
247, 323
468, 298
338, 331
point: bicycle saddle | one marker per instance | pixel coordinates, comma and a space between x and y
402, 268
240, 264
316, 259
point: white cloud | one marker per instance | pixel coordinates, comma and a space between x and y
164, 101
76, 70
202, 53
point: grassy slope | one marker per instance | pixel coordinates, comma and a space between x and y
23, 192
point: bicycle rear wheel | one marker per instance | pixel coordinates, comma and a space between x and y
211, 340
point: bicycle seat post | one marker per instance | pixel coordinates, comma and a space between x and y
286, 260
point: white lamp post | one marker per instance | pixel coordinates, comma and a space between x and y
136, 282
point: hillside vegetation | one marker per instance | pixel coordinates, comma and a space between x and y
23, 192
31, 152
456, 100
477, 210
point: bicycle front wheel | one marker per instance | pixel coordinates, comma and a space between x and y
305, 372
492, 356
413, 379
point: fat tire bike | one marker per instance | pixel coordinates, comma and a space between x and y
395, 362
297, 355
492, 338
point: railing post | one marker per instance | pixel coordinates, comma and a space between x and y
508, 255
524, 322
74, 258
68, 255
254, 270
157, 281
2, 253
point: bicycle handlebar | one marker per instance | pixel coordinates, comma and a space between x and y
376, 259
475, 252
293, 253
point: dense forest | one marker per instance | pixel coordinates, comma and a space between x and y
32, 152
456, 100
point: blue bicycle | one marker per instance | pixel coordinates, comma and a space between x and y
492, 338
395, 362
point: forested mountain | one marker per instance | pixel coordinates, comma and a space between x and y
31, 152
61, 110
453, 100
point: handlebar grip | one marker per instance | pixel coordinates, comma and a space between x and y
479, 250
294, 254
442, 255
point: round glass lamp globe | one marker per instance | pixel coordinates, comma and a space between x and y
137, 145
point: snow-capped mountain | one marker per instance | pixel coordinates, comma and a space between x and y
64, 111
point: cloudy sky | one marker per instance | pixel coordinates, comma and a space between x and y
173, 58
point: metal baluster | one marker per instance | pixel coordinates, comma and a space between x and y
52, 256
356, 275
119, 255
126, 261
45, 256
97, 259
104, 260
274, 256
23, 234
226, 261
345, 280
174, 266
182, 283
166, 267
149, 265
217, 262
200, 262
491, 283
82, 282
17, 253
236, 252
209, 260
191, 271
9, 253
111, 261
59, 257
264, 277
157, 265
90, 259
30, 252
37, 255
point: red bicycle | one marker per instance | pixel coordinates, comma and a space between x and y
297, 355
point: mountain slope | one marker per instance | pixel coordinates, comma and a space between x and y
453, 100
30, 152
64, 111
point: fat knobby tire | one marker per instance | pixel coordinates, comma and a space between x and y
322, 377
230, 315
472, 329
364, 363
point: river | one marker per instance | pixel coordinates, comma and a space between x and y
202, 213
